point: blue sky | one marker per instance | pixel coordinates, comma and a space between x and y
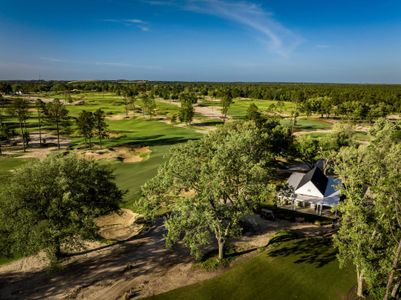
202, 40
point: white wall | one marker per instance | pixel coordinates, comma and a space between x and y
309, 189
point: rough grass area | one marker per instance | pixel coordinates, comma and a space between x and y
299, 269
7, 164
240, 106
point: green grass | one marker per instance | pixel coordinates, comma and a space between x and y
7, 164
239, 107
300, 269
139, 131
305, 124
131, 176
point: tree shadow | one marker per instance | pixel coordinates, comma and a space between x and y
315, 251
127, 260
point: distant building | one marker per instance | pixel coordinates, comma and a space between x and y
312, 190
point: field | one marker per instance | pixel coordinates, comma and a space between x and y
300, 269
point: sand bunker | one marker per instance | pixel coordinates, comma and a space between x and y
119, 225
124, 154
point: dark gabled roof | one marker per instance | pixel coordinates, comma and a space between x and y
317, 177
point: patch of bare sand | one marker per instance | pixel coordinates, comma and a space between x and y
138, 267
35, 150
119, 225
123, 153
119, 117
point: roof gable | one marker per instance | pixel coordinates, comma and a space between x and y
316, 177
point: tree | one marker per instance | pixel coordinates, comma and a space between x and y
226, 103
20, 109
354, 236
2, 106
40, 109
186, 113
86, 126
370, 230
149, 105
5, 134
52, 204
253, 113
57, 115
307, 149
100, 125
210, 185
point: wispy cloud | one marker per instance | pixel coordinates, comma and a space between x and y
138, 23
323, 46
268, 30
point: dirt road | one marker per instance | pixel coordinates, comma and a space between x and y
139, 267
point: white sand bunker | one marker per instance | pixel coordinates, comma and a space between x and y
124, 154
119, 225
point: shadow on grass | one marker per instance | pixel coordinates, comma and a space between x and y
315, 251
208, 123
153, 140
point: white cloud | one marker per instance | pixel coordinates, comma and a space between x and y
269, 31
323, 46
138, 23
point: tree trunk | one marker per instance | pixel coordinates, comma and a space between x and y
58, 136
22, 135
359, 276
391, 274
220, 243
57, 248
40, 131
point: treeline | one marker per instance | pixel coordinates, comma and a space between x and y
19, 117
358, 102
295, 92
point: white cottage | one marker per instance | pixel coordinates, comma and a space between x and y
313, 189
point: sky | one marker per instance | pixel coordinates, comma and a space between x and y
350, 41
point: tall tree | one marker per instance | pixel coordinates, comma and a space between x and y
100, 125
149, 105
86, 126
226, 103
186, 113
370, 230
20, 109
307, 149
52, 204
40, 109
5, 134
210, 184
57, 115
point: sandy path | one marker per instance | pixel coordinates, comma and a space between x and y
139, 267
207, 111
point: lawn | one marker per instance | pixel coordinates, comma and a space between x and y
299, 269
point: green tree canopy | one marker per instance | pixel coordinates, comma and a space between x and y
370, 233
52, 204
57, 115
210, 185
